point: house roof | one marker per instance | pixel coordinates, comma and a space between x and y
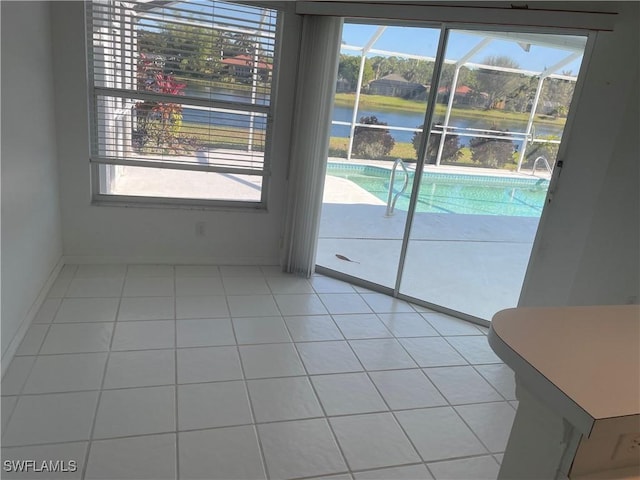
246, 61
461, 90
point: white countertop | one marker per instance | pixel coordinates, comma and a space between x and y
590, 355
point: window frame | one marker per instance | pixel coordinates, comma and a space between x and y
97, 163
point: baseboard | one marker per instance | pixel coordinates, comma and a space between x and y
31, 314
164, 260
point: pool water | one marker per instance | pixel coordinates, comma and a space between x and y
453, 193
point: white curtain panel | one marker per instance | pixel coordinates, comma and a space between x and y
318, 66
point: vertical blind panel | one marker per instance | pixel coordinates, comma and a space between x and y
128, 128
210, 49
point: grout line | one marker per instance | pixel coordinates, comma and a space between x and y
104, 376
251, 408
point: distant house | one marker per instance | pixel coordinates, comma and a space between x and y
464, 96
241, 66
394, 85
343, 85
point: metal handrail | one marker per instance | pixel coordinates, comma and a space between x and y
546, 164
391, 199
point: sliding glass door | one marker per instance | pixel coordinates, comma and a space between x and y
459, 234
380, 105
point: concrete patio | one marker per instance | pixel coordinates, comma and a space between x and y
471, 263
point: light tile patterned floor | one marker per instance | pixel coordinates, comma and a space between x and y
200, 372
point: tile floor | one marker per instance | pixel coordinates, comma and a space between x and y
204, 372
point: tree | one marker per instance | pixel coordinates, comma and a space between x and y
492, 152
496, 84
372, 142
349, 68
450, 150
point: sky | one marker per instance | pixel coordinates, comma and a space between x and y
424, 41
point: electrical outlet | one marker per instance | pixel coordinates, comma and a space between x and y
199, 229
628, 447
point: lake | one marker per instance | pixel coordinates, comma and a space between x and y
343, 114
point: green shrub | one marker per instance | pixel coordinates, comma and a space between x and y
450, 150
492, 152
372, 142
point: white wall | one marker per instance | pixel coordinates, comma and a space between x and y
31, 234
105, 233
586, 251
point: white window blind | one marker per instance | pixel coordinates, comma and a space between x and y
182, 85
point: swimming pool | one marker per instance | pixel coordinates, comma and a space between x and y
453, 193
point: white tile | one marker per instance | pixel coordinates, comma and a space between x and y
491, 422
448, 325
300, 304
148, 287
245, 285
208, 364
8, 403
197, 271
322, 284
501, 377
78, 338
301, 448
411, 472
56, 417
135, 411
260, 330
140, 369
479, 468
205, 332
499, 458
202, 307
60, 287
95, 287
348, 394
143, 335
151, 457
220, 454
107, 270
407, 389
150, 271
432, 352
381, 303
462, 385
240, 271
382, 354
306, 328
32, 340
283, 399
196, 286
66, 373
289, 284
273, 270
328, 357
68, 271
219, 404
438, 433
47, 310
361, 325
64, 452
146, 308
407, 325
252, 306
475, 349
344, 303
16, 375
87, 310
373, 440
274, 360
514, 404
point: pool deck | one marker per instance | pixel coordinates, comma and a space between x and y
471, 263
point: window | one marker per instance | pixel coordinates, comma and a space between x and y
181, 100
